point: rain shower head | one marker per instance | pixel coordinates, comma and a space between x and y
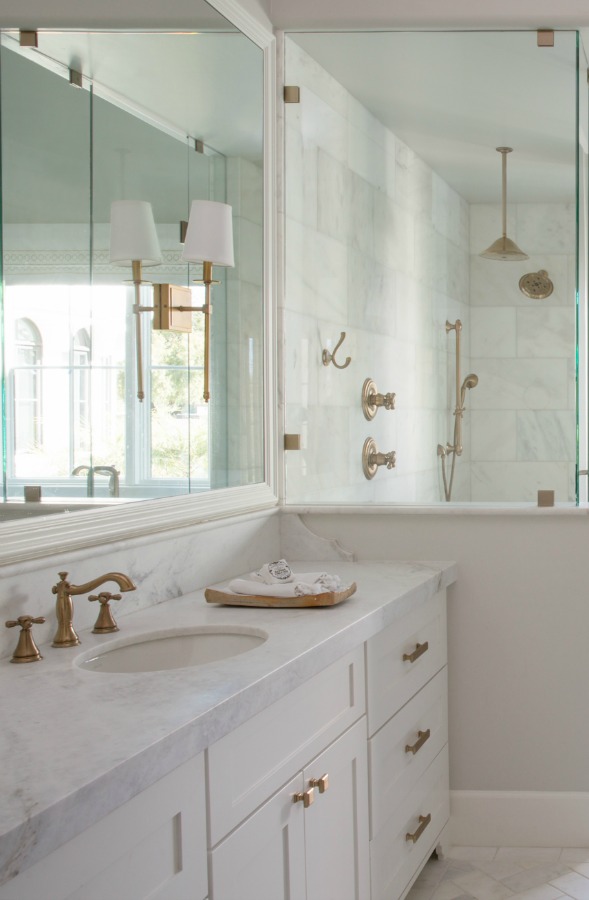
504, 248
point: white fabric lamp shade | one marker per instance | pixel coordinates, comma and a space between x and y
209, 236
133, 237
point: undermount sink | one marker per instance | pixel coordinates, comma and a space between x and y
173, 649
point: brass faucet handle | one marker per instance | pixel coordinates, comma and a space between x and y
26, 649
105, 622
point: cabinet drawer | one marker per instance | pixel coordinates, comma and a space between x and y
252, 762
405, 747
394, 859
403, 657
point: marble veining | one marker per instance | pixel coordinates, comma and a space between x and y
77, 744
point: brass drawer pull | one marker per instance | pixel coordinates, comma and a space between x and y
422, 737
423, 823
306, 797
419, 651
321, 783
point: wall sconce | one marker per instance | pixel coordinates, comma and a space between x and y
209, 240
134, 242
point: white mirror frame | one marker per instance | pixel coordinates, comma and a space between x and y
27, 539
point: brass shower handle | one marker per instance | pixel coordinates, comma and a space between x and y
372, 459
372, 400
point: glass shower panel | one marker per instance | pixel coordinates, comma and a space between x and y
393, 190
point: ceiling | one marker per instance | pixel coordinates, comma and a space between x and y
454, 97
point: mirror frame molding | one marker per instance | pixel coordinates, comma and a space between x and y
37, 538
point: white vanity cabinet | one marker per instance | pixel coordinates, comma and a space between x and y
268, 840
407, 747
153, 846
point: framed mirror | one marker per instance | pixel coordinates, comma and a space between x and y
90, 119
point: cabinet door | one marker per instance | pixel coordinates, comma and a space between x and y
264, 858
336, 824
154, 846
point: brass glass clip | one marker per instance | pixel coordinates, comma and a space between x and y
26, 649
105, 622
372, 400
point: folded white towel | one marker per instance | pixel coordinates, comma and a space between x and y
280, 572
323, 579
292, 589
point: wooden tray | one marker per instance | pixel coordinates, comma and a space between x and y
329, 598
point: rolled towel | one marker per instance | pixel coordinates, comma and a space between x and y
292, 589
278, 572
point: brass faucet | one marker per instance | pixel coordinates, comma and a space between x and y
65, 636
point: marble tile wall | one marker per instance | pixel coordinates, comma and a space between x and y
377, 246
523, 420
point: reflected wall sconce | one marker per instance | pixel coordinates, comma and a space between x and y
209, 240
134, 242
504, 248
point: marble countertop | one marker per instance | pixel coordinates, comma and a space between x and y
77, 744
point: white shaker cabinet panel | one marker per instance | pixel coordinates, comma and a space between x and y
151, 848
247, 765
403, 657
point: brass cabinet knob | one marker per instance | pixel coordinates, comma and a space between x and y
26, 649
105, 622
321, 783
305, 797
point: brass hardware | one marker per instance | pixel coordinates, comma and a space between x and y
170, 312
26, 649
546, 498
469, 382
545, 37
28, 39
199, 146
419, 651
536, 285
504, 249
321, 783
32, 493
305, 797
372, 459
371, 400
76, 78
423, 823
422, 737
65, 636
105, 622
292, 93
292, 442
328, 357
183, 230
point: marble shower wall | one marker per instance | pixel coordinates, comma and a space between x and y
523, 420
377, 245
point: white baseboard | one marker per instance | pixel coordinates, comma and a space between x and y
519, 819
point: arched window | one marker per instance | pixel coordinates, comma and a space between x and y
27, 387
80, 387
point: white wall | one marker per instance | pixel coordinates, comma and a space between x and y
518, 628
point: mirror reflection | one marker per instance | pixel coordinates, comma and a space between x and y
393, 192
89, 119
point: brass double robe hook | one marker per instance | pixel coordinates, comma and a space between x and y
328, 357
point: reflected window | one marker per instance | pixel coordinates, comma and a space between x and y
27, 387
80, 390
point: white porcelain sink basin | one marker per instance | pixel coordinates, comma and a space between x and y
173, 649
